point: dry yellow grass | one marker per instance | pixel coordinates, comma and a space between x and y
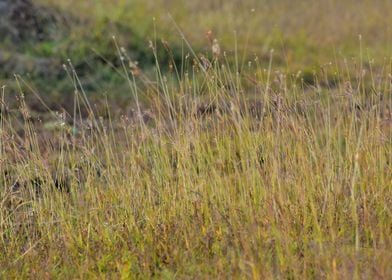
218, 171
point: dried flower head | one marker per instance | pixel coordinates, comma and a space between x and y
210, 36
134, 68
216, 50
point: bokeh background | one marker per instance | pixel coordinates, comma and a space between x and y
37, 37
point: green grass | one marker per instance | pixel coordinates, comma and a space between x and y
243, 169
305, 35
306, 32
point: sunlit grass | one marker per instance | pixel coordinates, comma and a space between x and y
215, 174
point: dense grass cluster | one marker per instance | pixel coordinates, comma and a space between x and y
148, 157
215, 173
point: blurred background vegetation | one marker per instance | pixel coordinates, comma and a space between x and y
305, 35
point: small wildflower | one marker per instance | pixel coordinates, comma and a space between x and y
134, 68
133, 64
151, 45
216, 50
171, 68
136, 71
210, 36
165, 44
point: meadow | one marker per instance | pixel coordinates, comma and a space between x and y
199, 140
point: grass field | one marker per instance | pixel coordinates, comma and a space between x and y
265, 154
